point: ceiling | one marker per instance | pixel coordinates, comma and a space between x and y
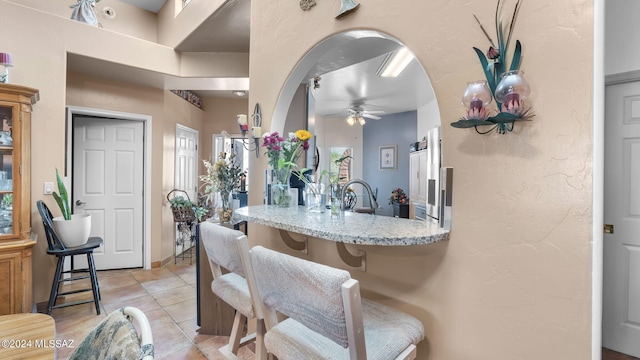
149, 5
347, 72
348, 78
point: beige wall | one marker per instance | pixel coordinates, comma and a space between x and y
129, 20
220, 114
513, 281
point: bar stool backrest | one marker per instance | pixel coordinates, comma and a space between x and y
308, 292
53, 242
224, 250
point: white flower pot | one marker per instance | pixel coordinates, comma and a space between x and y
74, 232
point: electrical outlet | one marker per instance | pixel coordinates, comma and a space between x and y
48, 188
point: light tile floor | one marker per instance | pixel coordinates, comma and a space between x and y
166, 295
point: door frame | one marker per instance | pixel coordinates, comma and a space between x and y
597, 176
146, 159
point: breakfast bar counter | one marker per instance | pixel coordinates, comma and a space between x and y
349, 227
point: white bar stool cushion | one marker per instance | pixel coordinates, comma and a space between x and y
233, 289
387, 332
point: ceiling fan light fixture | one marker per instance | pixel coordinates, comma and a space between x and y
361, 120
351, 120
395, 63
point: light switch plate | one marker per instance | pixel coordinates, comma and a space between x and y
48, 188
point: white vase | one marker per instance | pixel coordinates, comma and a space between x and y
74, 232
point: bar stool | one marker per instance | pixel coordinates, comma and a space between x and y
327, 319
57, 248
229, 249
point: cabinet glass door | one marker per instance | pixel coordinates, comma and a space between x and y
6, 171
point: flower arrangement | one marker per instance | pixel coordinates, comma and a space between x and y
284, 153
398, 196
223, 176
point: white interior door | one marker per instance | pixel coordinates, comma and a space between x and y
186, 171
621, 282
108, 183
187, 161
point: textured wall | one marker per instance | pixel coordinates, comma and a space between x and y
514, 280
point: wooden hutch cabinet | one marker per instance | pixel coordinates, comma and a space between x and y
15, 198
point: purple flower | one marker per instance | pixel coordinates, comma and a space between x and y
493, 53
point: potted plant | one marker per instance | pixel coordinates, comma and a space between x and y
72, 229
179, 202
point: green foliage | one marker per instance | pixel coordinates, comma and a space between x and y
223, 176
333, 177
63, 198
178, 202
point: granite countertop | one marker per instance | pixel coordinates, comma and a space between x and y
350, 227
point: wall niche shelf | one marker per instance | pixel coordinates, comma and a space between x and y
190, 97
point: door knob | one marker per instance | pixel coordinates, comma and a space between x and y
80, 202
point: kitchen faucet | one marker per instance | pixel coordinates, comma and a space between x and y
372, 199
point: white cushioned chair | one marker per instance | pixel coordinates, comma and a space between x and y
327, 319
229, 249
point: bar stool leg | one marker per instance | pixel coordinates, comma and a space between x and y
54, 286
94, 282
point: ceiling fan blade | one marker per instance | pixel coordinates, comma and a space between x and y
375, 111
337, 114
374, 117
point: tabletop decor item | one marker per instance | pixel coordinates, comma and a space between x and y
283, 155
222, 177
504, 82
316, 197
398, 196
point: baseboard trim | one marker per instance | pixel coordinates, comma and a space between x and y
41, 307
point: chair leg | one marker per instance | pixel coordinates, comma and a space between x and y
54, 286
94, 282
261, 351
236, 332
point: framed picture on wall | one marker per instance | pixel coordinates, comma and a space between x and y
388, 157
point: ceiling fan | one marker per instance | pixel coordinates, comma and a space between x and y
357, 113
